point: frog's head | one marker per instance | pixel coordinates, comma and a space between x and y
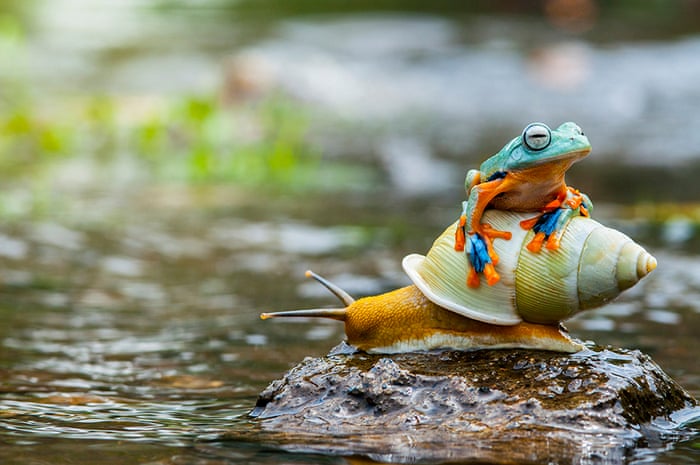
539, 145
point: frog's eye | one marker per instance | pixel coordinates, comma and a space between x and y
537, 136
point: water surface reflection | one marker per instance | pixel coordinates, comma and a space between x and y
130, 315
147, 330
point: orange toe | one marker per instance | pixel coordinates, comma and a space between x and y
553, 242
492, 233
460, 237
535, 244
553, 205
473, 278
460, 240
530, 223
492, 277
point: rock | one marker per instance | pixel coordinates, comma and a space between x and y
500, 406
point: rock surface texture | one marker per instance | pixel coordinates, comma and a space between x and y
497, 406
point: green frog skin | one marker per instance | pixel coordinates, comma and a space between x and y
527, 174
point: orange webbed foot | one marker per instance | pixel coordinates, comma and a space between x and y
578, 201
549, 225
473, 280
584, 211
535, 245
482, 256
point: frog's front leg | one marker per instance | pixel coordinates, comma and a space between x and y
550, 225
480, 252
473, 178
482, 256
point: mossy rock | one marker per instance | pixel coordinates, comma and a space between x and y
499, 406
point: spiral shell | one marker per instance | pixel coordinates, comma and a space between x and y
592, 266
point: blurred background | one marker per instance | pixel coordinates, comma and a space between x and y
169, 169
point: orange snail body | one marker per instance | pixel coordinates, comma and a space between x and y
404, 320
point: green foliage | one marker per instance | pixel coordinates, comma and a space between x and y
48, 141
191, 139
199, 140
188, 139
27, 140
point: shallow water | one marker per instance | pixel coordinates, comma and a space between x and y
137, 338
130, 316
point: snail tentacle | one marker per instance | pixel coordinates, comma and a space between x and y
344, 297
332, 313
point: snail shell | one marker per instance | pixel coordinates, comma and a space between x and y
592, 266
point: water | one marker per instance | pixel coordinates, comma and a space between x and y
139, 339
130, 315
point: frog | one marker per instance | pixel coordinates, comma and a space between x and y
526, 175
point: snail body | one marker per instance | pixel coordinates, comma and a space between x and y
537, 291
405, 320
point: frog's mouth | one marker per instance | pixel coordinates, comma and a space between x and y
573, 156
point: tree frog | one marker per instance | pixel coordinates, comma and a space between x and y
526, 175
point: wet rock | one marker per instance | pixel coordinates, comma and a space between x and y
500, 406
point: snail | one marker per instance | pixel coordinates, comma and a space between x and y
537, 291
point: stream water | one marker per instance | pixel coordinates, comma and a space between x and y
130, 329
137, 340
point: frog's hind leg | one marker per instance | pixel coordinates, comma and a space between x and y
564, 216
480, 197
550, 225
579, 205
478, 238
536, 223
490, 233
481, 255
577, 200
481, 260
